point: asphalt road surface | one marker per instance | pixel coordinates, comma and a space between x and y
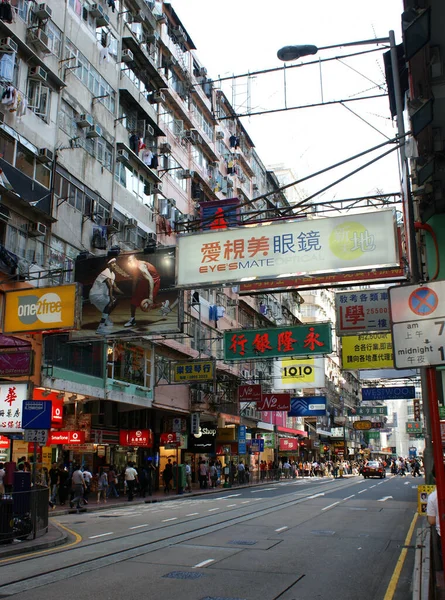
289, 540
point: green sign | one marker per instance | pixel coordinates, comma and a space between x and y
441, 412
301, 340
372, 435
414, 427
362, 411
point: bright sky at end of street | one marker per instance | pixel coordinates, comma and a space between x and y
235, 37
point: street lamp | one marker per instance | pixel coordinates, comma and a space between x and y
294, 52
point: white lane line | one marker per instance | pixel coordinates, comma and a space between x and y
263, 490
371, 486
212, 509
347, 497
361, 492
381, 483
228, 496
204, 563
139, 526
192, 514
92, 537
246, 502
281, 529
230, 505
406, 483
331, 505
384, 499
171, 519
312, 497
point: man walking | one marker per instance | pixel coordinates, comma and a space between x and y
78, 483
131, 478
53, 481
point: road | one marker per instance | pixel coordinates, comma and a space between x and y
297, 539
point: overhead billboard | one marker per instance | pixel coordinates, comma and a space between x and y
388, 393
12, 396
308, 406
288, 248
367, 351
198, 370
42, 309
144, 297
362, 311
299, 373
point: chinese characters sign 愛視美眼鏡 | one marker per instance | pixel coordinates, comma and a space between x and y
367, 351
301, 340
288, 249
362, 312
194, 371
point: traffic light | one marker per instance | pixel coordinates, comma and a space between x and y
302, 444
326, 448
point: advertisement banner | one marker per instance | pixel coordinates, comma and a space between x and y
273, 401
36, 414
292, 248
278, 341
388, 393
308, 406
299, 374
144, 298
288, 444
66, 437
56, 413
362, 311
250, 392
367, 351
42, 309
169, 439
15, 364
198, 370
219, 214
141, 438
12, 396
4, 442
204, 441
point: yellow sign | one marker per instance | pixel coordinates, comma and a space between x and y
41, 309
299, 373
367, 351
226, 434
362, 425
423, 491
198, 370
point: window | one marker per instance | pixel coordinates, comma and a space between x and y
54, 38
67, 119
76, 6
39, 98
43, 174
30, 249
8, 68
7, 148
25, 161
22, 7
203, 121
62, 256
134, 182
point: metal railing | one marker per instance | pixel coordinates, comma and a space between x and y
24, 514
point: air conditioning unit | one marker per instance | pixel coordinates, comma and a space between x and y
131, 223
242, 179
39, 39
256, 187
36, 229
245, 374
127, 56
149, 130
94, 131
157, 97
45, 155
43, 11
38, 73
219, 135
8, 45
122, 156
157, 187
152, 237
85, 120
96, 11
197, 397
190, 135
111, 224
165, 148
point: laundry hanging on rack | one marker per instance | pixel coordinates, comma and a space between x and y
154, 162
6, 13
147, 157
134, 143
9, 98
22, 105
234, 141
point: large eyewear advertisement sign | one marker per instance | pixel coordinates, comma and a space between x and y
42, 309
288, 248
362, 311
143, 301
300, 340
367, 351
299, 374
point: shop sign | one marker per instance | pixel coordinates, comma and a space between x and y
12, 396
302, 246
298, 374
142, 438
257, 445
81, 448
198, 370
42, 309
255, 344
413, 427
269, 440
423, 491
82, 422
15, 364
226, 434
204, 441
249, 393
288, 444
66, 437
442, 432
388, 393
367, 411
228, 418
36, 414
308, 406
416, 409
362, 425
274, 402
172, 438
242, 433
4, 442
56, 413
367, 351
101, 451
195, 419
362, 311
176, 424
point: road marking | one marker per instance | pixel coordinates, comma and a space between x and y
204, 563
139, 526
372, 486
230, 505
192, 514
392, 586
381, 483
92, 537
314, 496
361, 492
245, 502
259, 491
212, 509
171, 519
331, 505
228, 496
347, 497
384, 499
281, 529
406, 483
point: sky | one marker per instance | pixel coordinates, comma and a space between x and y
240, 36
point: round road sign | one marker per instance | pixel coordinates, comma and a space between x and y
423, 301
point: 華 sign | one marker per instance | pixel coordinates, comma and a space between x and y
279, 341
250, 392
198, 370
66, 437
142, 438
388, 393
297, 247
362, 311
12, 396
367, 351
298, 374
42, 309
308, 406
274, 402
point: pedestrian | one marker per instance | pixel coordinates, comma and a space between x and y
432, 514
143, 482
151, 472
102, 486
54, 482
112, 483
78, 486
263, 470
203, 474
64, 488
213, 474
131, 478
241, 472
188, 476
87, 476
286, 469
167, 476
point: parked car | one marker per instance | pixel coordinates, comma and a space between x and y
374, 469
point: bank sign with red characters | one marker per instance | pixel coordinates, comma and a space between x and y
300, 340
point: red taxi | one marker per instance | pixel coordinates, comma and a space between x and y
374, 469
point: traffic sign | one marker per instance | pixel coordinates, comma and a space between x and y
36, 414
417, 302
39, 436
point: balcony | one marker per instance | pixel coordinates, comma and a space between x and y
129, 91
143, 57
151, 175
